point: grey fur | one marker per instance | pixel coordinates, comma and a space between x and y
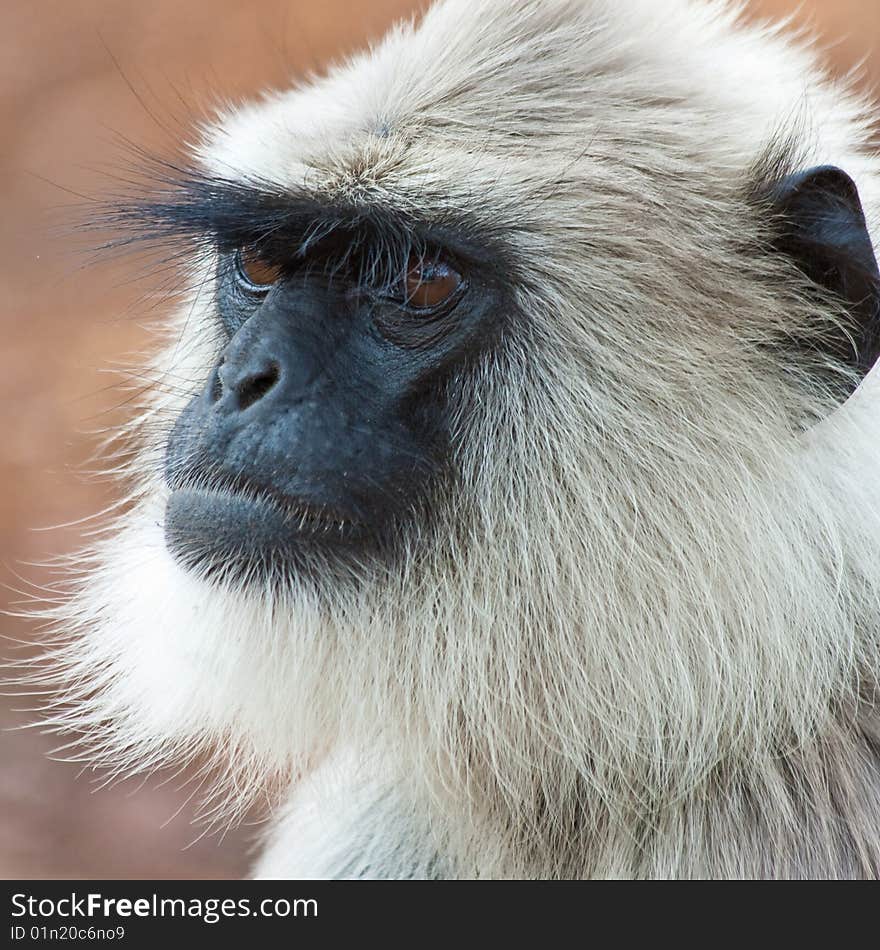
648, 643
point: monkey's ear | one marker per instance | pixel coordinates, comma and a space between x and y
820, 225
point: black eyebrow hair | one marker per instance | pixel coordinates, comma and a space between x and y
189, 204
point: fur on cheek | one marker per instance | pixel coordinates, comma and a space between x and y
153, 664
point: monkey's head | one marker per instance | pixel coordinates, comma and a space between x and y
499, 433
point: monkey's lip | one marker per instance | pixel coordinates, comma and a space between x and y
299, 513
238, 518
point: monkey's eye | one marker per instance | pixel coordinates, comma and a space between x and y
254, 272
429, 284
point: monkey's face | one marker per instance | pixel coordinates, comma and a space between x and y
413, 297
322, 429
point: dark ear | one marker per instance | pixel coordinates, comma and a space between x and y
820, 225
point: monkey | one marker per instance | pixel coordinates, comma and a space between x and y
512, 503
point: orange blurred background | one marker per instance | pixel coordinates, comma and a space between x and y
78, 79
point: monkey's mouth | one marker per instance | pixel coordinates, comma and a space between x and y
300, 515
233, 522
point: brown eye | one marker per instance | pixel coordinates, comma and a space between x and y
256, 271
428, 284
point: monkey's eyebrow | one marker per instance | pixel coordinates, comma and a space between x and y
192, 205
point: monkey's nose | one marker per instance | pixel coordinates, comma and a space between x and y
274, 361
247, 384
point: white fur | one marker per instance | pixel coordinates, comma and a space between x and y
653, 590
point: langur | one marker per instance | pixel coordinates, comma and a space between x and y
516, 501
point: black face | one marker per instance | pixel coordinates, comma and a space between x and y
321, 437
322, 434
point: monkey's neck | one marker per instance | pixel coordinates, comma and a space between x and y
812, 812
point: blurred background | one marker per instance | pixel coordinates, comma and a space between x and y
78, 80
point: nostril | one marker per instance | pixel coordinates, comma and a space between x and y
253, 388
215, 390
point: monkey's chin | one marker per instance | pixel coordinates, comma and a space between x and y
250, 537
